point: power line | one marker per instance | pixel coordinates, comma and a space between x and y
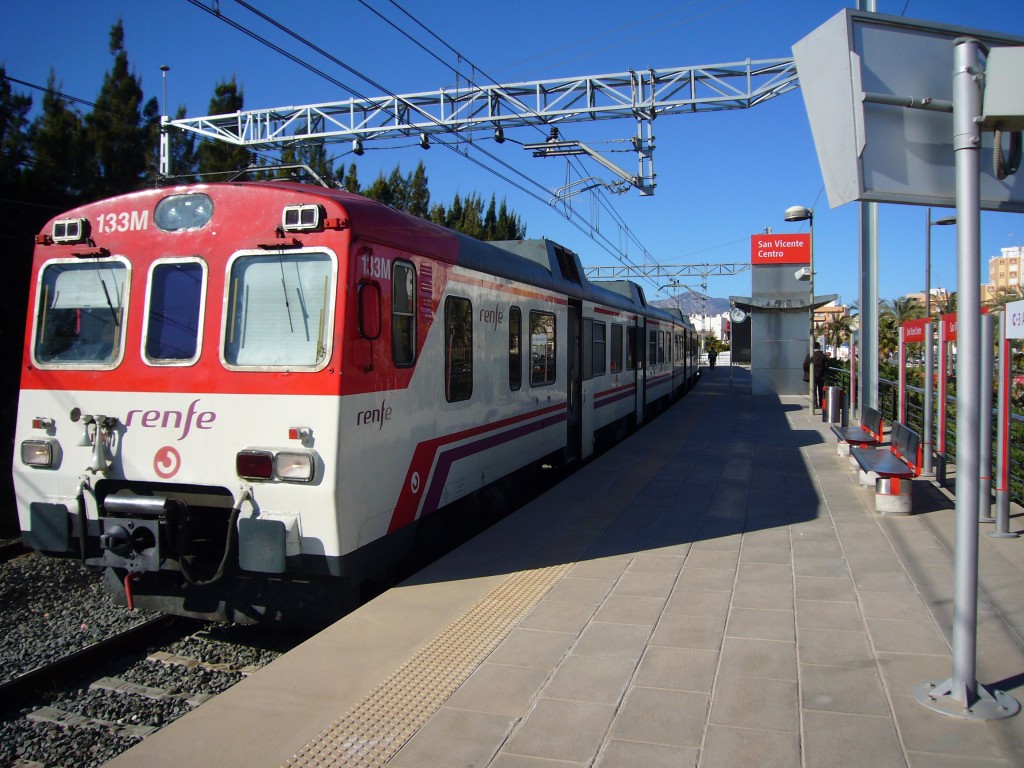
601, 201
607, 246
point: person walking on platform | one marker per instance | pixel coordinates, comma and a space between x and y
820, 372
712, 356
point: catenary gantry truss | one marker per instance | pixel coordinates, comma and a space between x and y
641, 95
659, 272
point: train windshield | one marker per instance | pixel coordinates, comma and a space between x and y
279, 310
80, 313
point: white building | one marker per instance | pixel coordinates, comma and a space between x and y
715, 325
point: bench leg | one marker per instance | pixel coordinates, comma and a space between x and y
866, 478
843, 448
893, 495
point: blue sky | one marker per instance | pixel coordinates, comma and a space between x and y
721, 176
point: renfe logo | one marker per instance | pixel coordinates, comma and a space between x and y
492, 317
780, 249
154, 419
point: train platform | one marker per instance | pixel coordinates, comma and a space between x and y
716, 591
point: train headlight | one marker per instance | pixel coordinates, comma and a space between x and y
294, 467
255, 465
70, 230
37, 453
301, 218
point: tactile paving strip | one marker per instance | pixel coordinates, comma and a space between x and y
373, 731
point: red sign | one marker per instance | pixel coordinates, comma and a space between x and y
949, 327
913, 331
780, 249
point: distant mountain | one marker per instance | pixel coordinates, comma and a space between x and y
691, 305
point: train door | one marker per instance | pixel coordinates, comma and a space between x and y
574, 393
638, 345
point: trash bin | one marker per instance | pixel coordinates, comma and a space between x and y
833, 409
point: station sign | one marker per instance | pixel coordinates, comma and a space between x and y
780, 249
1015, 320
913, 331
949, 327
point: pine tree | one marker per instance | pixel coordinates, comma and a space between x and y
64, 166
121, 141
399, 188
418, 197
491, 221
184, 160
216, 157
351, 181
14, 145
509, 226
380, 191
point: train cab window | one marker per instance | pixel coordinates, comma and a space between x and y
279, 310
79, 318
600, 348
615, 363
515, 348
458, 349
403, 314
542, 349
174, 315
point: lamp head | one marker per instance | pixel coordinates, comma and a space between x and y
798, 213
945, 221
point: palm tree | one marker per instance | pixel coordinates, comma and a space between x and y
893, 314
838, 330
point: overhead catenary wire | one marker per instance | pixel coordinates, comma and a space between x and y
601, 241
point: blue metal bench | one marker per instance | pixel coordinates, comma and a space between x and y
893, 470
868, 432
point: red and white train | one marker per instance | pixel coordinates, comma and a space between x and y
234, 394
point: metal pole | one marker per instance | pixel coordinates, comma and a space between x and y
927, 465
940, 471
1002, 529
868, 289
929, 356
869, 305
985, 424
810, 310
961, 695
901, 392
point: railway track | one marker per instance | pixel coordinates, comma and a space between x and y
104, 699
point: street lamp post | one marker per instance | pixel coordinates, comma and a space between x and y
799, 213
929, 355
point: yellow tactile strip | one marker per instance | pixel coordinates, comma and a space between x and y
373, 731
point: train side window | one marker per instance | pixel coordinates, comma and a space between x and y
174, 317
80, 313
542, 349
632, 345
279, 309
403, 314
588, 348
458, 349
661, 346
515, 348
652, 347
616, 358
600, 348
